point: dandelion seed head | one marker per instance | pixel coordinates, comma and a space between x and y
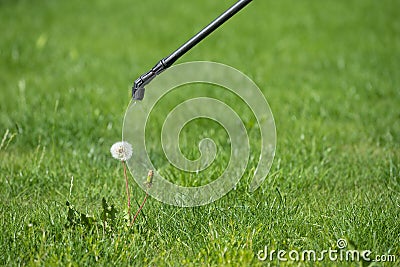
121, 151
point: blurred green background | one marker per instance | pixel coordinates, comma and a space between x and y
329, 70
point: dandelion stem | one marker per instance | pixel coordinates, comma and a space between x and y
140, 208
128, 195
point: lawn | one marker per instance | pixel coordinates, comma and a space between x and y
330, 71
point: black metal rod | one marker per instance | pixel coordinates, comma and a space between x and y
163, 64
168, 61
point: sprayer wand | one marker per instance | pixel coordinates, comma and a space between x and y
163, 64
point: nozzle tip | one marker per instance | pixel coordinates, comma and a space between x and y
137, 93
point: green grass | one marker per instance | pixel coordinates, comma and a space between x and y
330, 71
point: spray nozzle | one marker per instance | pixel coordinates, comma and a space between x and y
138, 86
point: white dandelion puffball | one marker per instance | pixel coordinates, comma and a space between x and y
121, 150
